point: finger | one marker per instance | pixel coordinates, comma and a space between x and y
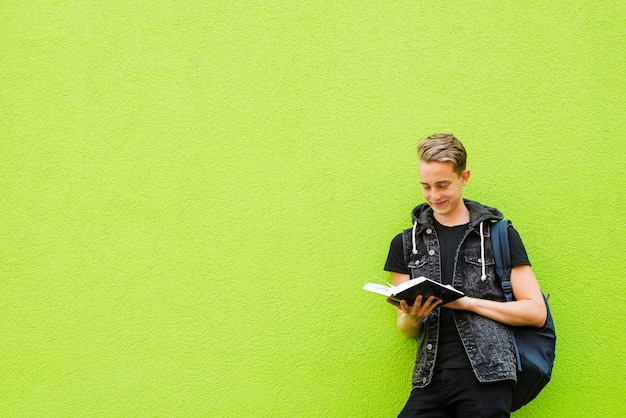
404, 306
434, 301
427, 306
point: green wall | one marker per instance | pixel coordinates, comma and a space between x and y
193, 194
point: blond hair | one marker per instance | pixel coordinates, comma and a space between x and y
443, 147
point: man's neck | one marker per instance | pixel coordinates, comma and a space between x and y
460, 216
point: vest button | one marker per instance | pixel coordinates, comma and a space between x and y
424, 380
431, 252
429, 346
429, 231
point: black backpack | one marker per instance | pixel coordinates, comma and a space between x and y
534, 347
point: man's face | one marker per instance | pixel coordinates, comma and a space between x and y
442, 187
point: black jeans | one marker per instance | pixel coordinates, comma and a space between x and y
457, 393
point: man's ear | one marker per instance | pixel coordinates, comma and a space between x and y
465, 175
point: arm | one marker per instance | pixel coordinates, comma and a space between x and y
410, 317
528, 307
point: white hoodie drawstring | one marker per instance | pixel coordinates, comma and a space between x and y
413, 237
482, 252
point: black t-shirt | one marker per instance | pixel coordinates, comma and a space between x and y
451, 353
395, 258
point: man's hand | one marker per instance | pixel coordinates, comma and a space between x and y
419, 309
410, 317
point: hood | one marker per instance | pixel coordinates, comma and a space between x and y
423, 214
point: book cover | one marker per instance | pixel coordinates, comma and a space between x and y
410, 289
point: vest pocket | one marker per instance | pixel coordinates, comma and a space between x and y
473, 268
419, 267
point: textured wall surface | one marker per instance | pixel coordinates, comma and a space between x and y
193, 193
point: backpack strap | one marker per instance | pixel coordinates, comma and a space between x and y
502, 255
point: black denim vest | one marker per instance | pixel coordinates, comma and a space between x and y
488, 343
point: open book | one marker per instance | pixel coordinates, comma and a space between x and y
410, 289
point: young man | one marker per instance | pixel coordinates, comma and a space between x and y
465, 364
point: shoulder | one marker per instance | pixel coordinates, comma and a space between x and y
397, 241
519, 256
396, 261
